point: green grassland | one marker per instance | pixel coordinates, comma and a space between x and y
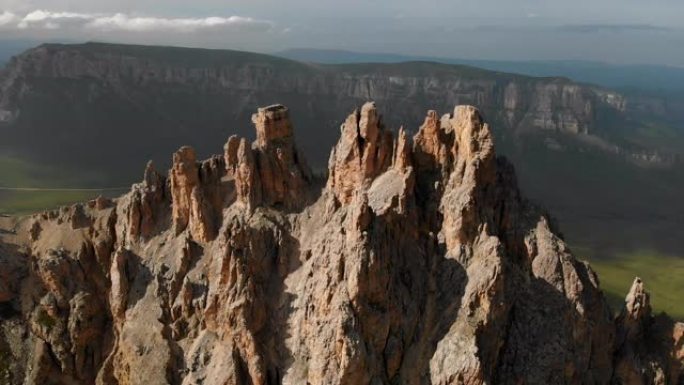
662, 276
53, 186
26, 202
624, 219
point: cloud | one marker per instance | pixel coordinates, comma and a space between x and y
124, 22
615, 28
7, 18
40, 19
51, 20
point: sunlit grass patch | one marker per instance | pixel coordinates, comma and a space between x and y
46, 186
663, 276
26, 202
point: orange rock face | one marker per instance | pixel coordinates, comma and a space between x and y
363, 152
184, 177
272, 123
284, 173
197, 194
433, 144
418, 263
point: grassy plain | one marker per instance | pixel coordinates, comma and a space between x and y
43, 187
662, 275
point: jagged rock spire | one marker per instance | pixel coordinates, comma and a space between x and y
196, 193
230, 153
363, 152
419, 263
142, 208
638, 301
433, 144
649, 349
184, 177
271, 171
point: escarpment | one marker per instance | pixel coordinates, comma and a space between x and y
416, 261
37, 91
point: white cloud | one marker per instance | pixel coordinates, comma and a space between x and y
41, 19
124, 22
51, 20
7, 18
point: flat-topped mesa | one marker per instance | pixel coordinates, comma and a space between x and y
271, 171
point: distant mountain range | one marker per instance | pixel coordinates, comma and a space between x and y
606, 162
160, 94
655, 78
643, 77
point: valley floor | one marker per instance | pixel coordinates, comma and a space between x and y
662, 274
26, 187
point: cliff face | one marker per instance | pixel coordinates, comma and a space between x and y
416, 262
167, 92
541, 103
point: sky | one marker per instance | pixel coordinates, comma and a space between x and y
616, 31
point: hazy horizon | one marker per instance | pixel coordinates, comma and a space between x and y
624, 32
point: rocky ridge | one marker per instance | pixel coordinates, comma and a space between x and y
416, 262
102, 76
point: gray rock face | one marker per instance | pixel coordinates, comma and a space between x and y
417, 263
156, 87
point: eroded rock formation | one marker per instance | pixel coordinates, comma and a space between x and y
649, 349
416, 262
363, 152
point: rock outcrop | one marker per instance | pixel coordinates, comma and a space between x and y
363, 152
415, 262
271, 171
283, 173
649, 349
